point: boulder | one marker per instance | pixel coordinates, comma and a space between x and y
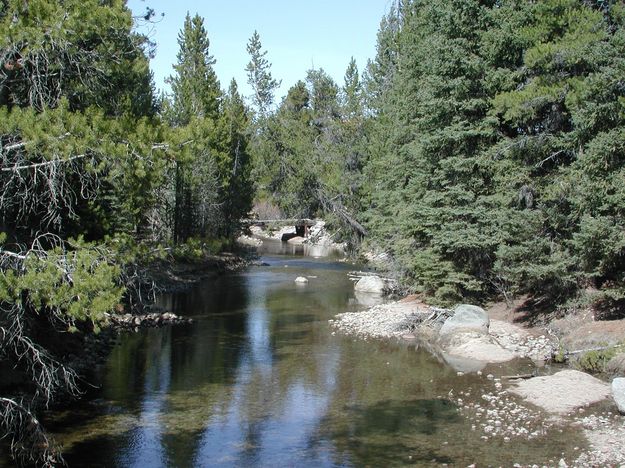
297, 240
301, 280
563, 391
466, 318
618, 393
478, 347
370, 284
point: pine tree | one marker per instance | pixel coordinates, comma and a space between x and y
430, 203
196, 101
352, 91
76, 160
259, 77
239, 188
195, 88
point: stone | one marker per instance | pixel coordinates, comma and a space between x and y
463, 364
370, 284
476, 346
466, 318
301, 280
563, 391
618, 393
297, 240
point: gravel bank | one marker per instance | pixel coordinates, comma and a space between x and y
404, 319
393, 320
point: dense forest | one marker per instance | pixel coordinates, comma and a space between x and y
482, 149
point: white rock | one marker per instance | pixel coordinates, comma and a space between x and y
370, 284
301, 280
618, 393
563, 391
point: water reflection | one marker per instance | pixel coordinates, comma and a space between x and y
259, 379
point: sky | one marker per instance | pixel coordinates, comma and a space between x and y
298, 35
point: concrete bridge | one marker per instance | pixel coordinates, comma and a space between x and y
301, 225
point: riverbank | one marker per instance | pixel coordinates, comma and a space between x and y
163, 276
171, 275
528, 401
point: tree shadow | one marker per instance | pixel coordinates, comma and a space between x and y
390, 431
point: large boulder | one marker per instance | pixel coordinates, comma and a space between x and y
618, 393
563, 391
476, 346
466, 318
370, 284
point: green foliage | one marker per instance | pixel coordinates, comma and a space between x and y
79, 284
496, 147
84, 51
210, 190
197, 250
595, 361
259, 77
195, 88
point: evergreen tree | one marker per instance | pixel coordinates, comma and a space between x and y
558, 121
489, 167
379, 72
239, 188
76, 160
196, 101
352, 91
195, 88
259, 77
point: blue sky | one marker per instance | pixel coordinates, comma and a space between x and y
297, 35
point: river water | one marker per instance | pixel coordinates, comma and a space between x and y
260, 379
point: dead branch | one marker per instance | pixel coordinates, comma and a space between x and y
44, 163
518, 376
587, 350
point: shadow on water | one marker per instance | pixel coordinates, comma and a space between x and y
259, 379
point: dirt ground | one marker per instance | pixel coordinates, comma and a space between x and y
575, 332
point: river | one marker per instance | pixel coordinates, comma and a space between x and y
260, 379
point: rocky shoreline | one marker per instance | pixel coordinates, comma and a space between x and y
525, 405
154, 319
466, 343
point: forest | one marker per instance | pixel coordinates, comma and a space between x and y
482, 149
